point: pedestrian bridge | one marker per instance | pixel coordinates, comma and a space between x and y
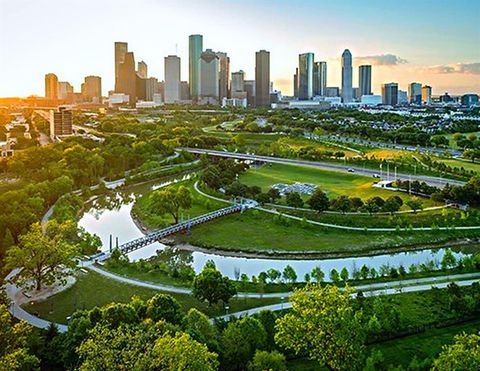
154, 236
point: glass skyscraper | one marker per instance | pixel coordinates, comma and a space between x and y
195, 49
347, 91
305, 76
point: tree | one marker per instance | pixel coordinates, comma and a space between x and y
463, 354
274, 194
334, 276
239, 342
338, 338
415, 204
448, 260
44, 258
164, 307
317, 274
263, 198
318, 201
14, 354
262, 360
344, 274
294, 200
273, 274
171, 200
341, 204
391, 205
212, 287
198, 326
289, 274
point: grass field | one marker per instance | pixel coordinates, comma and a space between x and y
200, 205
453, 144
467, 165
264, 233
92, 290
334, 183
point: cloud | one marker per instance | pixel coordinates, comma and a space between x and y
469, 68
381, 60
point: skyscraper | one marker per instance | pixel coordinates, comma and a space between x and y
142, 69
92, 89
195, 48
51, 86
60, 123
415, 93
390, 94
305, 76
127, 78
224, 74
250, 89
295, 83
172, 79
262, 78
319, 78
426, 94
121, 48
237, 88
365, 80
64, 89
209, 77
150, 88
347, 91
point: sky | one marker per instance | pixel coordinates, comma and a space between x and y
435, 42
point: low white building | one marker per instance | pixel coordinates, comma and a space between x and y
371, 100
234, 102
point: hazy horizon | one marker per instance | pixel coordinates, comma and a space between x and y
432, 42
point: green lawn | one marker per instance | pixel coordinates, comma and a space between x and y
334, 183
264, 233
467, 165
92, 290
200, 205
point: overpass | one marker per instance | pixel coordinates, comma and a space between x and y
434, 181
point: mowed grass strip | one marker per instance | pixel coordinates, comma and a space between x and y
334, 183
93, 289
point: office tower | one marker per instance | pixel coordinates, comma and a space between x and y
415, 93
140, 88
60, 123
262, 78
319, 78
332, 91
142, 69
347, 92
250, 90
237, 88
295, 83
390, 94
151, 84
402, 97
305, 76
426, 94
209, 77
224, 74
356, 93
195, 48
184, 91
365, 80
469, 100
127, 78
172, 79
92, 89
51, 86
64, 90
121, 49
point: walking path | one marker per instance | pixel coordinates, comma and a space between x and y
344, 227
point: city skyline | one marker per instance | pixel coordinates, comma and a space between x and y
404, 58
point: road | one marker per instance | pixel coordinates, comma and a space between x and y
434, 181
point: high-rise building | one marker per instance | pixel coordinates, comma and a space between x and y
150, 88
365, 80
224, 74
402, 97
61, 123
332, 91
426, 94
305, 76
92, 89
262, 78
121, 48
184, 91
347, 92
51, 86
237, 88
469, 100
295, 83
390, 94
415, 93
142, 69
127, 78
209, 77
141, 88
172, 79
319, 78
250, 89
64, 89
195, 48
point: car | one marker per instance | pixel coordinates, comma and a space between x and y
376, 176
350, 170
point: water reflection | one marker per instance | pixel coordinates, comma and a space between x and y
110, 215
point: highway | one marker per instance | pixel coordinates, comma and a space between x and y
434, 181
